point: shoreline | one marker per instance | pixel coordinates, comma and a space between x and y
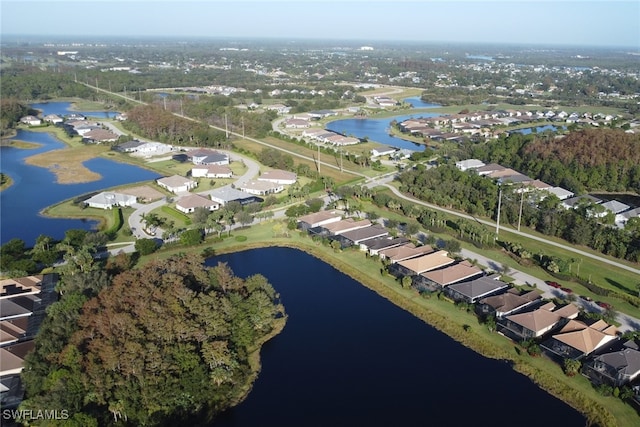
255, 362
6, 181
594, 412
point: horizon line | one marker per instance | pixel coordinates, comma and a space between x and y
176, 37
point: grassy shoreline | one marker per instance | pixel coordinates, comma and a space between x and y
5, 182
460, 326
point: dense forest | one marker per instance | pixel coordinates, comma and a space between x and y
29, 84
154, 122
11, 110
585, 160
164, 344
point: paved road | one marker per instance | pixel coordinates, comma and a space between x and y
135, 219
385, 182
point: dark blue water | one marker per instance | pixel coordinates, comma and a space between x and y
377, 130
348, 357
417, 102
34, 188
539, 129
63, 109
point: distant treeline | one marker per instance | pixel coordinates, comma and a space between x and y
586, 160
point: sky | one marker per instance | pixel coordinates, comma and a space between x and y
613, 23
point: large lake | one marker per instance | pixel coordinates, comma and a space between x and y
34, 188
348, 357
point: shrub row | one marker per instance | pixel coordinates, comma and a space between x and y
118, 221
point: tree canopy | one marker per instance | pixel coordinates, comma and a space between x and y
160, 344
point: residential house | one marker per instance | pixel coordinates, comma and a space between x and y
342, 226
385, 150
53, 118
560, 192
573, 202
31, 120
75, 117
437, 279
577, 339
489, 169
108, 200
190, 203
464, 165
278, 176
177, 184
615, 368
261, 188
204, 156
320, 114
83, 127
615, 207
507, 303
296, 124
211, 171
536, 323
99, 136
281, 109
624, 217
373, 246
421, 264
355, 237
129, 146
226, 194
319, 219
476, 289
404, 252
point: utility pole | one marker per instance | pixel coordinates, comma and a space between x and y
318, 159
521, 203
226, 126
341, 160
498, 216
165, 103
181, 110
242, 127
96, 85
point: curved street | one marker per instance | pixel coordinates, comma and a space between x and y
136, 221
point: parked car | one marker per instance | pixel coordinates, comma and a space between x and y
553, 284
567, 290
589, 299
604, 305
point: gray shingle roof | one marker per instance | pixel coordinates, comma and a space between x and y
625, 361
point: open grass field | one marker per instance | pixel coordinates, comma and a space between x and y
459, 324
